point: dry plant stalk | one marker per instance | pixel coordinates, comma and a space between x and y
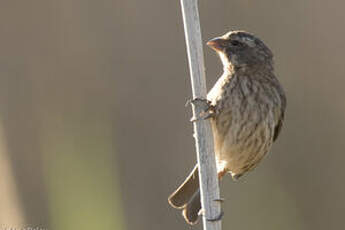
209, 187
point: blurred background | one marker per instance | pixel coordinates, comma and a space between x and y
93, 129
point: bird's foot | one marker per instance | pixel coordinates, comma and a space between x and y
204, 106
221, 200
217, 218
235, 177
201, 212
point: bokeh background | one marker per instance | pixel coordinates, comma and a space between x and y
93, 129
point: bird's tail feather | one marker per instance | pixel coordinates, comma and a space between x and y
187, 197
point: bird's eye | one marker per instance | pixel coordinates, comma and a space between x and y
235, 43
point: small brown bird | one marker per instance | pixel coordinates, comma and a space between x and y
246, 111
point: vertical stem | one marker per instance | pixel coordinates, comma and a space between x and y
209, 189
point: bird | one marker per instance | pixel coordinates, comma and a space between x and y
246, 108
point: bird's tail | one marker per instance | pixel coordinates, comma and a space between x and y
187, 197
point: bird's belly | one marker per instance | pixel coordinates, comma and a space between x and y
240, 149
244, 122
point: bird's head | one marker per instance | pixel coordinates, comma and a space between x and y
239, 49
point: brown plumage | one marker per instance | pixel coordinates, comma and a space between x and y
247, 107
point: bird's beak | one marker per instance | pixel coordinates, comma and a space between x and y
218, 44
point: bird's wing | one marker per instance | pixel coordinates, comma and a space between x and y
278, 128
280, 118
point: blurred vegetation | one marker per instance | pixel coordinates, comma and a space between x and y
79, 169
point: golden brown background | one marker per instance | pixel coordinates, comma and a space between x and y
93, 129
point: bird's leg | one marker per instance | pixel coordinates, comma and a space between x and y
203, 105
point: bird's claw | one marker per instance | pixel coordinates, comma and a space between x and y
217, 218
219, 200
203, 105
188, 102
201, 212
